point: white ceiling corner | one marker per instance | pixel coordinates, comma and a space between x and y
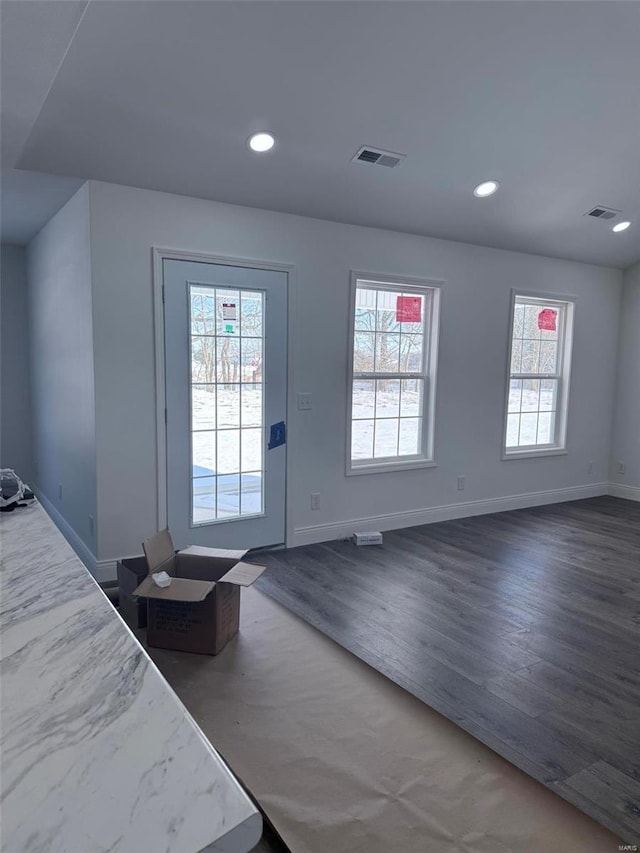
544, 97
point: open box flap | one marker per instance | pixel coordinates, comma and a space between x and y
181, 589
214, 553
243, 574
158, 549
205, 563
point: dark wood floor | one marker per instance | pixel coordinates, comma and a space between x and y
521, 627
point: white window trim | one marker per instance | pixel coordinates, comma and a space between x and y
565, 341
430, 355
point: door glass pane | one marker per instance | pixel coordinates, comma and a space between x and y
228, 451
251, 450
251, 361
204, 499
203, 406
228, 408
227, 360
203, 311
227, 312
227, 411
203, 448
251, 404
251, 318
203, 359
229, 496
251, 493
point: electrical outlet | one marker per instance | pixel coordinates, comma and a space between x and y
461, 484
304, 402
589, 467
621, 468
59, 491
315, 500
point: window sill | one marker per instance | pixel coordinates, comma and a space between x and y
507, 456
389, 467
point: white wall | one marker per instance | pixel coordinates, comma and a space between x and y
126, 223
625, 445
15, 405
61, 342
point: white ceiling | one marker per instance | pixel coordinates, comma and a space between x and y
33, 39
543, 96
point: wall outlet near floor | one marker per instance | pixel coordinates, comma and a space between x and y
589, 467
621, 468
315, 500
461, 484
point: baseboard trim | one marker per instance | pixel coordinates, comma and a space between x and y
393, 521
85, 554
106, 570
630, 493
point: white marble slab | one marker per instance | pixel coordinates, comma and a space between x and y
98, 753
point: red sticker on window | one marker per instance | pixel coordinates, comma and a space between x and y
409, 309
547, 320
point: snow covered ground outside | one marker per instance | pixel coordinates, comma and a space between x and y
227, 451
530, 419
234, 449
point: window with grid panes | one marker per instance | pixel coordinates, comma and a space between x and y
538, 384
392, 375
227, 406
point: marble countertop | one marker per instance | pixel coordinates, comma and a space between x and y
98, 753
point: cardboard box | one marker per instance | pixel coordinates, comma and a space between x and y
200, 611
131, 572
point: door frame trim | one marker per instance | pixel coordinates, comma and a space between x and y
160, 254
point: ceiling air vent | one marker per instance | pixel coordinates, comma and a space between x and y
601, 212
378, 157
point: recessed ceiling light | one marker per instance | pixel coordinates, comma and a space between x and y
261, 142
621, 226
486, 188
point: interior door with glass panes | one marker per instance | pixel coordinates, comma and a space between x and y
225, 331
